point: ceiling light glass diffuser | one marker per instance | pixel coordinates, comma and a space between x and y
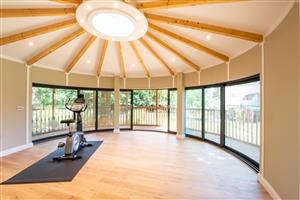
113, 24
111, 20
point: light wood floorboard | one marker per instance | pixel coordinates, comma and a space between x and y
140, 165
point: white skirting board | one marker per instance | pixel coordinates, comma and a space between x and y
15, 149
268, 187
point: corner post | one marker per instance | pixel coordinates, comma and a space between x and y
117, 104
180, 107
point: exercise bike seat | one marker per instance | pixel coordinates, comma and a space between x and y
67, 121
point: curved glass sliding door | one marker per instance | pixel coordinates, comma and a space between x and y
150, 110
48, 109
105, 109
193, 112
173, 110
212, 114
89, 116
243, 119
125, 109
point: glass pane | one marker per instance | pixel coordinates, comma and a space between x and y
105, 109
48, 109
150, 110
213, 114
193, 113
243, 119
42, 110
173, 110
125, 109
89, 116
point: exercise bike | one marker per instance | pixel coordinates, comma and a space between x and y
74, 141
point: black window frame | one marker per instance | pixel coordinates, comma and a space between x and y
249, 161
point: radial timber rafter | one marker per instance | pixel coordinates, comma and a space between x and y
55, 46
190, 43
157, 56
85, 47
73, 2
208, 28
121, 59
173, 50
102, 56
178, 3
37, 31
137, 54
34, 12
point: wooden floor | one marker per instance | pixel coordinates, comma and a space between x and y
140, 165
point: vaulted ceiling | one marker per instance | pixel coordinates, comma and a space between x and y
183, 36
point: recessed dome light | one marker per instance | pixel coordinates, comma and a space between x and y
173, 59
132, 65
88, 61
208, 37
116, 5
113, 24
81, 20
30, 44
89, 7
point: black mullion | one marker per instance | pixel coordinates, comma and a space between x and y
203, 113
168, 110
96, 120
131, 110
222, 134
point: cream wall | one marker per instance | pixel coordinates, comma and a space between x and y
80, 80
281, 75
46, 76
13, 104
245, 65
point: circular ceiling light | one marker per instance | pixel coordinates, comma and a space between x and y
112, 20
113, 24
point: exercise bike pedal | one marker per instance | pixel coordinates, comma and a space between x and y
76, 157
61, 144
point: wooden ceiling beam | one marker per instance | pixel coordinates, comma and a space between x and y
157, 56
101, 57
163, 4
37, 31
208, 28
174, 51
55, 46
34, 12
121, 59
85, 47
191, 43
73, 2
137, 54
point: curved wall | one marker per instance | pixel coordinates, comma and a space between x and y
245, 65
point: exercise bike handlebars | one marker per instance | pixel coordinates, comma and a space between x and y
76, 107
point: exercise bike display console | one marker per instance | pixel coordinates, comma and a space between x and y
74, 141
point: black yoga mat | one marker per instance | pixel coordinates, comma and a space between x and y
47, 170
